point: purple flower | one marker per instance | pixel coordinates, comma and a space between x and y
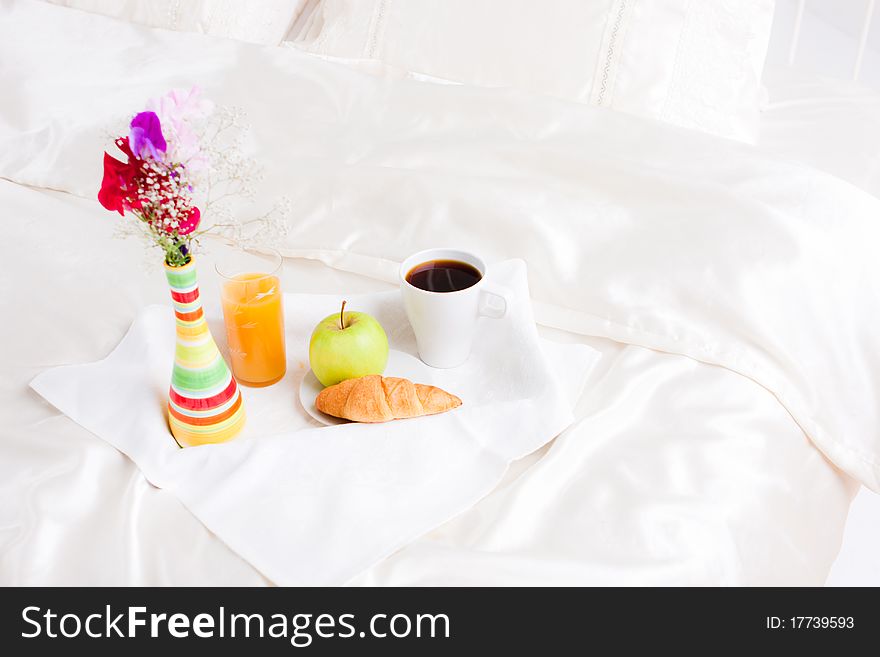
145, 136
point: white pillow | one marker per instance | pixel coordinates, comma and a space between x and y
694, 63
265, 22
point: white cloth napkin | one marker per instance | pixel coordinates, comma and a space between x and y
314, 505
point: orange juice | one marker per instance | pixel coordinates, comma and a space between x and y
254, 318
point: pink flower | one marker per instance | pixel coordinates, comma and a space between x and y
176, 111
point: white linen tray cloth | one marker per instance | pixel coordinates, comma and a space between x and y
313, 505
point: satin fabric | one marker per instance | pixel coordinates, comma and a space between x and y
751, 273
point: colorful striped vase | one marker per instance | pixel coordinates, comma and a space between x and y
205, 403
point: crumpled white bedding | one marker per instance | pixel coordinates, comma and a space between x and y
751, 274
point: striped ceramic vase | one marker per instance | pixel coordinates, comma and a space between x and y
205, 403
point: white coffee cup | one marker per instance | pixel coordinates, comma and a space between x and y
445, 323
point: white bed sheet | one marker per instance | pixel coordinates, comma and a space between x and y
684, 466
833, 125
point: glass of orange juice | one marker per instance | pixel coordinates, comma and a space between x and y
254, 314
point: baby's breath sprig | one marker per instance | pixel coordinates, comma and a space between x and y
179, 153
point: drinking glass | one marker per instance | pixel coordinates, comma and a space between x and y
253, 313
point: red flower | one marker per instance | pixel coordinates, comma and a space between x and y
118, 188
111, 195
191, 223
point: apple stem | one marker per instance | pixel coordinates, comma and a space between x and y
342, 316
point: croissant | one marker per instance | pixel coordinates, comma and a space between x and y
375, 398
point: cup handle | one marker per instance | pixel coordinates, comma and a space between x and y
495, 300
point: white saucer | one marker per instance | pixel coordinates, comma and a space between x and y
399, 364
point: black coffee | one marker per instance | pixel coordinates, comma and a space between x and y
443, 276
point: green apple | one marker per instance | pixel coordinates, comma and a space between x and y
347, 345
